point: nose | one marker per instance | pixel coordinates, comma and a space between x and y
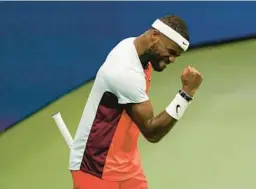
171, 59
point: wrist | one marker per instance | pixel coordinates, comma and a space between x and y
190, 92
179, 105
185, 95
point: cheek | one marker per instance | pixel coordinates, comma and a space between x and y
157, 50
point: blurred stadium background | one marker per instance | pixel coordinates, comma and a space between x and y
50, 52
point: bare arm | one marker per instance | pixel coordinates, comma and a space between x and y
154, 128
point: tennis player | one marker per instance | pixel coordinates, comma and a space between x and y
104, 154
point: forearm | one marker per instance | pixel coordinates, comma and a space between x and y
159, 126
154, 128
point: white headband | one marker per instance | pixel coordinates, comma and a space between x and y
171, 34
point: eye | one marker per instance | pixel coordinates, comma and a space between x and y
173, 52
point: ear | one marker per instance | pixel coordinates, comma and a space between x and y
155, 35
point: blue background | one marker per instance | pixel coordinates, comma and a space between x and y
50, 48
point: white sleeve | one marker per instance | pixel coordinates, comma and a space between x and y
130, 88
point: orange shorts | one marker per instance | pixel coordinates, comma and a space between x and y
83, 180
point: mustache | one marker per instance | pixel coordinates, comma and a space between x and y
157, 59
153, 57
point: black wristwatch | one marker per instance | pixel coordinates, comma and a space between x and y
185, 95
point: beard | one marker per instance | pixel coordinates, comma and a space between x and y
154, 58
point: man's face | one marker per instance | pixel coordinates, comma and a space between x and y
163, 52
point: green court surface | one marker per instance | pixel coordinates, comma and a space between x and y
212, 147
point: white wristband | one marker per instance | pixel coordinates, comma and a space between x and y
177, 107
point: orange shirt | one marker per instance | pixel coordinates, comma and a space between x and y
105, 144
123, 159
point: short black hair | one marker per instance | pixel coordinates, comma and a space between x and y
176, 23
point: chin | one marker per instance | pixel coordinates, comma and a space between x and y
158, 66
158, 69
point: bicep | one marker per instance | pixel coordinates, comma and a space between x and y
152, 127
131, 93
142, 114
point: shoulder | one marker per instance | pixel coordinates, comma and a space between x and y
130, 88
123, 76
128, 85
122, 49
123, 73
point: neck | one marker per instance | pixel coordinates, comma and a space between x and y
142, 45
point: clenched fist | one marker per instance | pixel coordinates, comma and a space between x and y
191, 80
